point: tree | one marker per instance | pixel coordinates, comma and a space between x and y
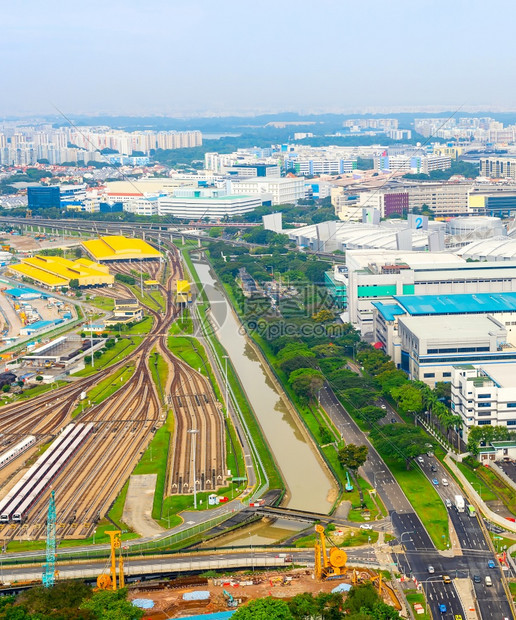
216, 231
60, 601
361, 598
408, 397
6, 388
306, 382
264, 609
323, 316
74, 283
353, 457
112, 605
39, 378
371, 414
402, 442
360, 397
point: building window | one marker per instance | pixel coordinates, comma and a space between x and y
484, 404
511, 405
483, 395
484, 422
511, 422
429, 375
446, 374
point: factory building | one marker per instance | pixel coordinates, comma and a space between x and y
115, 248
55, 272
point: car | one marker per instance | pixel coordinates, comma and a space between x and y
444, 482
435, 481
433, 468
458, 617
442, 608
447, 503
429, 453
446, 578
488, 581
366, 526
476, 578
431, 570
393, 420
491, 564
421, 460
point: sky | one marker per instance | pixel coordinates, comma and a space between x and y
223, 57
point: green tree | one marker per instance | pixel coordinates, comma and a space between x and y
408, 397
360, 397
6, 388
306, 382
323, 316
112, 605
216, 231
353, 457
361, 598
39, 378
402, 442
74, 283
371, 414
264, 609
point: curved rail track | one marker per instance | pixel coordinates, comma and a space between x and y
124, 424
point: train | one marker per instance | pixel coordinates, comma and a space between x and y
15, 506
15, 451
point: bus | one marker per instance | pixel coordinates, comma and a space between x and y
471, 511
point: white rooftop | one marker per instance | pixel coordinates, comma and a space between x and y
503, 374
414, 259
451, 327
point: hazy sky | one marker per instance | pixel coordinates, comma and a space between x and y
226, 56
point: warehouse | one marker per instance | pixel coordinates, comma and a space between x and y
55, 272
118, 248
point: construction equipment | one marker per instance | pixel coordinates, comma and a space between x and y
332, 564
49, 570
109, 582
28, 213
230, 599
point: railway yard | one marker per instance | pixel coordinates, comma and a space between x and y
88, 458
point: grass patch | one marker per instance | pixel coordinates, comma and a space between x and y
103, 303
159, 371
352, 538
121, 350
477, 483
117, 509
106, 388
183, 325
414, 597
39, 389
424, 499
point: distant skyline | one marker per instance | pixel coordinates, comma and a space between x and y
188, 58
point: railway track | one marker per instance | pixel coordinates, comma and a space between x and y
123, 426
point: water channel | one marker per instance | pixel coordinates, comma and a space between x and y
310, 486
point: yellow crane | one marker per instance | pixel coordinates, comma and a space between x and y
330, 564
109, 582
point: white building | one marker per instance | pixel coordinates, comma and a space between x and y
431, 345
485, 394
207, 207
378, 275
283, 191
142, 206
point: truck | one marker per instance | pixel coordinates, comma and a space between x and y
460, 504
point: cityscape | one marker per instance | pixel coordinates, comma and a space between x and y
257, 312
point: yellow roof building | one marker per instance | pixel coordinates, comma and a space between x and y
119, 248
54, 271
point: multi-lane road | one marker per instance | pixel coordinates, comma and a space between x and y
468, 561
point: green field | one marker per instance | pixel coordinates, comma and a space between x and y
103, 303
106, 388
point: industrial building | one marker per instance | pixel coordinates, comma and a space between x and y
64, 351
55, 272
213, 205
485, 395
495, 249
426, 334
115, 248
380, 275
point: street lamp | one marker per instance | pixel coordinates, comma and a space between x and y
225, 357
194, 433
94, 532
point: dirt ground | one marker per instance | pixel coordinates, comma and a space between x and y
25, 243
169, 603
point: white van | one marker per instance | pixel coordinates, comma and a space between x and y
488, 581
445, 482
421, 459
